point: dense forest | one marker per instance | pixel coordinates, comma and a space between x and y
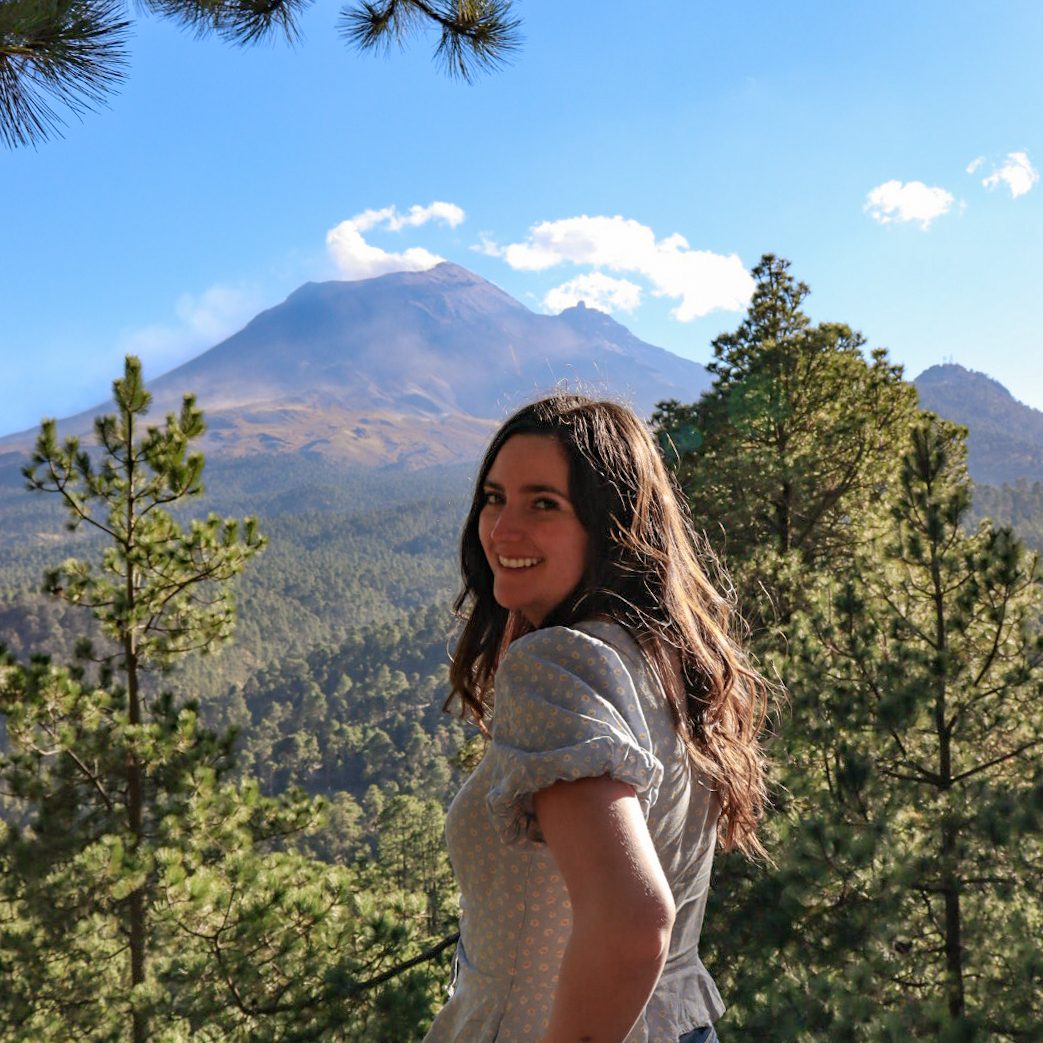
247, 844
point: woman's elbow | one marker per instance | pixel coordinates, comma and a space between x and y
658, 927
641, 931
645, 950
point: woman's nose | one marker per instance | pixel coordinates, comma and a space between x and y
507, 524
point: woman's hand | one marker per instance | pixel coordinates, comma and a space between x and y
622, 908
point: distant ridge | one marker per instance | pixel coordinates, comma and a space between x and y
1005, 442
408, 369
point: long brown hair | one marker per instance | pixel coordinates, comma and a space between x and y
643, 570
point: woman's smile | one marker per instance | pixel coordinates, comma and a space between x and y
535, 544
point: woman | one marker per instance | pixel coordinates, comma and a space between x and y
623, 742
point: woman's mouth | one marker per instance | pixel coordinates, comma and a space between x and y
517, 563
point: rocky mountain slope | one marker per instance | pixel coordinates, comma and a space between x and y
408, 369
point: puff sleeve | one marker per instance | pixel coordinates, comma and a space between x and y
566, 708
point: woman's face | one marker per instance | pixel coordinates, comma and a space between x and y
533, 541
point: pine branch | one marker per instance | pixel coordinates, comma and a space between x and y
68, 53
1001, 759
427, 954
236, 21
475, 35
71, 54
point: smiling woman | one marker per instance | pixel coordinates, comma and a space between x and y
623, 742
535, 545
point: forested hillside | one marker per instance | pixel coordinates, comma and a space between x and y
1005, 443
1019, 504
346, 548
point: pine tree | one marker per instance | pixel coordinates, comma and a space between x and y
783, 460
411, 846
927, 661
145, 894
160, 593
794, 458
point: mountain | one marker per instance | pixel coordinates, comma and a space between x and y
411, 369
1005, 442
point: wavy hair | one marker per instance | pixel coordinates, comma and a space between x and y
644, 571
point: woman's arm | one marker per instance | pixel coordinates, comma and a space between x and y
622, 908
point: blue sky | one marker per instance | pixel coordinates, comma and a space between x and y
638, 156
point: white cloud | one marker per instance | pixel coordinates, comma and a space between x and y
357, 259
898, 202
448, 213
699, 280
202, 320
487, 245
1017, 173
596, 290
975, 164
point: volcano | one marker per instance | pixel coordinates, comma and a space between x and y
406, 369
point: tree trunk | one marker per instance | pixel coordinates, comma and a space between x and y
950, 883
953, 945
136, 901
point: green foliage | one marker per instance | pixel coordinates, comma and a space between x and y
147, 889
365, 713
476, 35
908, 763
347, 550
70, 51
160, 591
412, 854
73, 868
784, 459
926, 658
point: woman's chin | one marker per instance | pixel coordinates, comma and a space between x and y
520, 606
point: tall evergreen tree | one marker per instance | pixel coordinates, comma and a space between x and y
144, 894
161, 592
926, 660
784, 458
785, 461
793, 459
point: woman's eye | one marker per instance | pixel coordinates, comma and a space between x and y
545, 503
490, 496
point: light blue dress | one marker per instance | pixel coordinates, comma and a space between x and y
570, 703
